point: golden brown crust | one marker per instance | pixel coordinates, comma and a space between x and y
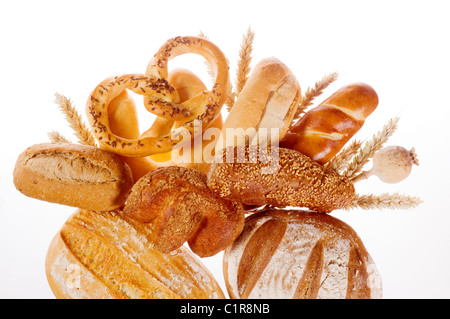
323, 131
268, 100
179, 206
161, 99
299, 254
293, 180
106, 255
74, 175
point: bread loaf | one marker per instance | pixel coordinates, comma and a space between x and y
74, 175
268, 101
177, 204
106, 255
278, 177
306, 255
324, 130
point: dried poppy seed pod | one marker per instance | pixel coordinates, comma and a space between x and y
391, 164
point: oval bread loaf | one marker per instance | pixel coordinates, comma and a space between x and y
306, 255
105, 255
74, 175
278, 177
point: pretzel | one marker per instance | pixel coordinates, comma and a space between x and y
161, 99
188, 85
123, 119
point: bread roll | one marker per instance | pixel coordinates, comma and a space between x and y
324, 130
177, 204
268, 101
294, 254
278, 177
105, 255
74, 175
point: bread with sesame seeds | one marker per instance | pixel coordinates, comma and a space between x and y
278, 177
292, 254
104, 255
74, 175
178, 205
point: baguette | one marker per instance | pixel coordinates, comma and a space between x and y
299, 255
74, 175
106, 255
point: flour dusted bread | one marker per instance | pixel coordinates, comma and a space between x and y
297, 254
75, 175
105, 255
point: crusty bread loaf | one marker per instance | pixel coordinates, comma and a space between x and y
278, 177
268, 100
299, 254
105, 255
324, 130
74, 175
178, 205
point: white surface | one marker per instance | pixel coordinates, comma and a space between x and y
398, 47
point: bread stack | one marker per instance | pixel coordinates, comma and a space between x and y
264, 206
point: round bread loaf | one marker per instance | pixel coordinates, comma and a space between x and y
106, 255
296, 254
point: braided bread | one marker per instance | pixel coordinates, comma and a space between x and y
178, 205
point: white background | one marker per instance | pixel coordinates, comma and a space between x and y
398, 47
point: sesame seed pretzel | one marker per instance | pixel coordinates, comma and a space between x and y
161, 99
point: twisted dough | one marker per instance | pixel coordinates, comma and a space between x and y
161, 99
179, 207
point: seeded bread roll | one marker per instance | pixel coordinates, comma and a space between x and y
105, 255
299, 255
74, 175
278, 177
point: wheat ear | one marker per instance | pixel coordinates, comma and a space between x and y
312, 93
245, 58
341, 159
385, 200
208, 66
370, 148
81, 131
56, 137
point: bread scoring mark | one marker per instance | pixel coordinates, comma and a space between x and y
257, 254
358, 278
309, 285
70, 167
85, 245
